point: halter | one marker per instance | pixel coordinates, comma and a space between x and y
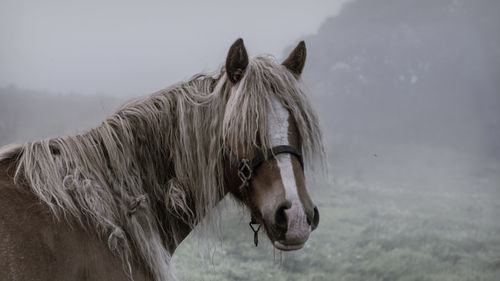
246, 166
246, 169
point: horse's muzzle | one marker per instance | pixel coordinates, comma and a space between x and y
292, 225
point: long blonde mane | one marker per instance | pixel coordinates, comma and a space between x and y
159, 158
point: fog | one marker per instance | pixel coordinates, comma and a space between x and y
414, 83
408, 93
135, 47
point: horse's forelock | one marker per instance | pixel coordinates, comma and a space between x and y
245, 123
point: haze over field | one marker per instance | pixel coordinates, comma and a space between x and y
408, 93
410, 90
130, 48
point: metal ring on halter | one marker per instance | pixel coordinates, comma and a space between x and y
255, 232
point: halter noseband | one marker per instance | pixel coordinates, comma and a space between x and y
246, 168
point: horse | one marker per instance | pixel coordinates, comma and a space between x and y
115, 201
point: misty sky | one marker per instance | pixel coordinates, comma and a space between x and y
136, 47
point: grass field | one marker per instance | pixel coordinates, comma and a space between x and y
365, 233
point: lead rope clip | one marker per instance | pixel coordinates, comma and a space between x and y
255, 232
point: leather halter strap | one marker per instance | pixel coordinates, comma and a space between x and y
244, 164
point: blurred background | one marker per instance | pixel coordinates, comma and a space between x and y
408, 93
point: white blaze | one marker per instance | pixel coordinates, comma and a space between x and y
298, 229
278, 134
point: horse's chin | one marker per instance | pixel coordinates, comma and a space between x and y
283, 246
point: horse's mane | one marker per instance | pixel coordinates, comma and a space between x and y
159, 158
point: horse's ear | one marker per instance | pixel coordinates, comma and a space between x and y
297, 59
236, 61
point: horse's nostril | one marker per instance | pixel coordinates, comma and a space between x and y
280, 217
315, 219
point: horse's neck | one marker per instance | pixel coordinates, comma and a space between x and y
179, 225
231, 182
183, 229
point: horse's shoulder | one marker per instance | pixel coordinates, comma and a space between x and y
17, 203
23, 221
37, 246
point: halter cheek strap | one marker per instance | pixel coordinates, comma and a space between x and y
246, 168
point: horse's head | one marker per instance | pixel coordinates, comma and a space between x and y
270, 182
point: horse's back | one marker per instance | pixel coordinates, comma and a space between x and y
36, 246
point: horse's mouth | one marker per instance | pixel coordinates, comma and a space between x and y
280, 241
283, 246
